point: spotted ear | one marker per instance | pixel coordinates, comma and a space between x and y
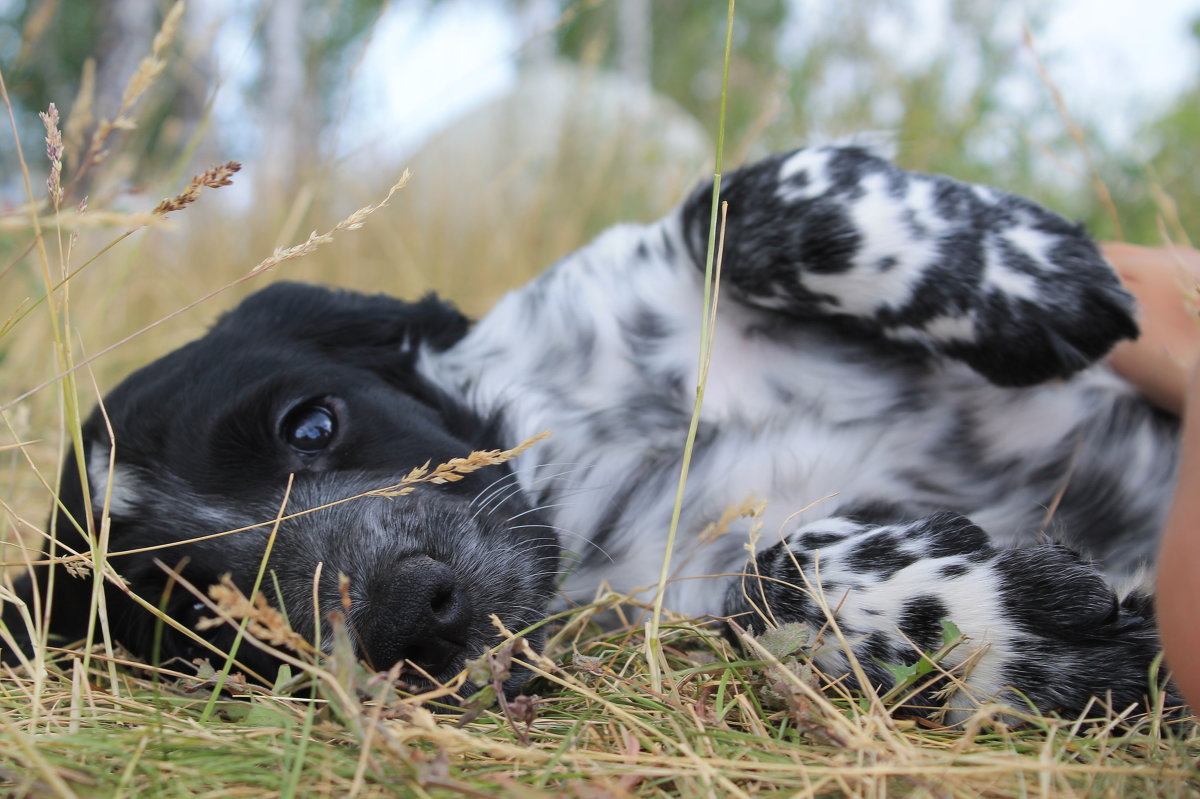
338, 319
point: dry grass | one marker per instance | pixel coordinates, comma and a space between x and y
702, 720
720, 727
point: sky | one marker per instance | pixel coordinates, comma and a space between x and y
1125, 48
423, 69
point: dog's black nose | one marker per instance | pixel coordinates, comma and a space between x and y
415, 609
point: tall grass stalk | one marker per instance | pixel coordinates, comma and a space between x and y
1076, 132
72, 418
707, 329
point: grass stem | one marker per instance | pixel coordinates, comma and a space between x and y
653, 642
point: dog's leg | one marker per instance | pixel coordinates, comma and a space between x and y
1015, 291
1036, 623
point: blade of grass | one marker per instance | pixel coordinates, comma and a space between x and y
653, 642
237, 641
1076, 132
292, 778
71, 418
314, 241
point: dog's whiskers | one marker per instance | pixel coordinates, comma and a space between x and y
486, 489
568, 534
499, 495
553, 573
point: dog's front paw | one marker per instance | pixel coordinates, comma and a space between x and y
1047, 304
1035, 625
1017, 292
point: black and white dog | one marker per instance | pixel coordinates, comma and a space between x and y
905, 369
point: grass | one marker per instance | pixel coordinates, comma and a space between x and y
721, 726
614, 716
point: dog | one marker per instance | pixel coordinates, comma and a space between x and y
906, 369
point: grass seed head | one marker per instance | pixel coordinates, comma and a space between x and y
54, 151
263, 621
455, 469
152, 65
214, 178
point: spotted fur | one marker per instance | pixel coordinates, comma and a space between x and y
904, 369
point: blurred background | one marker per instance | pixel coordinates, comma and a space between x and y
528, 125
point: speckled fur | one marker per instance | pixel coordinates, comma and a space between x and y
885, 339
904, 370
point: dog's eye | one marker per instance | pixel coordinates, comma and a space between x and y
309, 429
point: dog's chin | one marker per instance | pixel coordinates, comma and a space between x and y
483, 672
265, 669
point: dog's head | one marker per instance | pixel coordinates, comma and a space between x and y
320, 387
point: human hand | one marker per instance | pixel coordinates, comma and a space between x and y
1165, 281
1163, 363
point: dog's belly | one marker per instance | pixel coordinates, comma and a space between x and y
743, 489
1000, 456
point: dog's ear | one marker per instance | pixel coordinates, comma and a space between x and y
341, 319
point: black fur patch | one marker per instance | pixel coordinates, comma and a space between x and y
920, 621
880, 554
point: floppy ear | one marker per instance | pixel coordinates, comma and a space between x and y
340, 319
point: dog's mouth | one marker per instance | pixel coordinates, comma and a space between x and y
421, 660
